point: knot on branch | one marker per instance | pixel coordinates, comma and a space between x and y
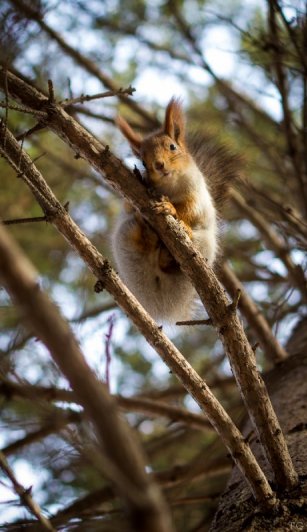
230, 310
105, 271
99, 286
105, 155
51, 215
51, 92
138, 174
48, 105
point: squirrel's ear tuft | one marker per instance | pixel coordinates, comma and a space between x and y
174, 123
134, 139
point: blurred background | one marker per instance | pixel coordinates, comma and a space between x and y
240, 68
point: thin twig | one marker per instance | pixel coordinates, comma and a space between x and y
22, 109
38, 127
108, 336
87, 98
25, 495
24, 220
195, 322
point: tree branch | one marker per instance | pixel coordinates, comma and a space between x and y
272, 348
140, 404
126, 464
282, 85
88, 98
274, 242
83, 61
25, 495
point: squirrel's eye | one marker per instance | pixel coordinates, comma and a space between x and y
144, 164
173, 147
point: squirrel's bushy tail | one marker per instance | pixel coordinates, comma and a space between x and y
221, 167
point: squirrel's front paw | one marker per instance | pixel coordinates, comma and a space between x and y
164, 206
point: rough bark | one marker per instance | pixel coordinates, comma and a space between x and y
287, 385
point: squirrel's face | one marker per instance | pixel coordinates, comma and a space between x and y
163, 158
164, 153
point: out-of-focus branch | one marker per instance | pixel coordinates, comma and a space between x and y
25, 495
296, 224
173, 477
88, 98
126, 464
143, 405
282, 85
233, 98
274, 242
272, 348
54, 425
21, 339
83, 61
108, 279
292, 34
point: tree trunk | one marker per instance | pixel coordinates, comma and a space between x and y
287, 385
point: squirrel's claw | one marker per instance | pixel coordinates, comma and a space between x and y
164, 206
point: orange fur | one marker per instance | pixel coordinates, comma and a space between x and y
167, 263
135, 140
174, 123
186, 213
142, 237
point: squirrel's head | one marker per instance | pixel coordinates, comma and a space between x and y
163, 153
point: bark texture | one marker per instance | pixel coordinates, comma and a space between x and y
287, 386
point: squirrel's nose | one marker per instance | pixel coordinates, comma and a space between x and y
159, 165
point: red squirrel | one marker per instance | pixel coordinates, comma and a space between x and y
193, 177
